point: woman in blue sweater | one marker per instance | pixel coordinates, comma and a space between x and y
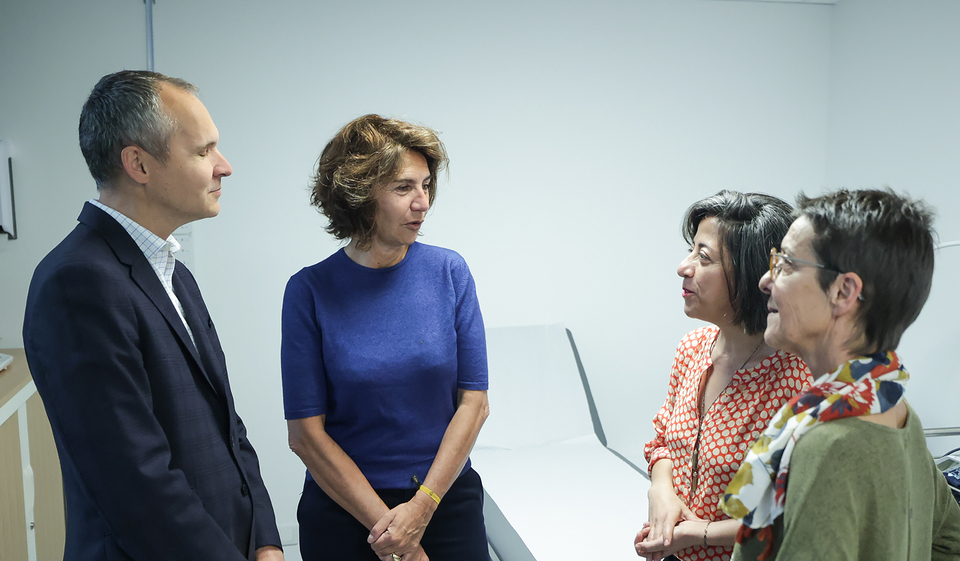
384, 362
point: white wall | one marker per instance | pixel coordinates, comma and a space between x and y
51, 54
894, 120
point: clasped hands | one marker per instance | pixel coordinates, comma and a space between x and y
400, 529
687, 533
672, 527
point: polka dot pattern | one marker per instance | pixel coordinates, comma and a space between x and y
731, 424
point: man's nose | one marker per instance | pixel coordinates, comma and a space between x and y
223, 167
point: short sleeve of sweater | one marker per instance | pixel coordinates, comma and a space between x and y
471, 337
301, 356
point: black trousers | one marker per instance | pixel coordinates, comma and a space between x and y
455, 533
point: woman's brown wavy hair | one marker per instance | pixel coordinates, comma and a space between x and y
365, 155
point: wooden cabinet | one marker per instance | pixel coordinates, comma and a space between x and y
31, 489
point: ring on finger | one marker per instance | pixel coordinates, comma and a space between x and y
395, 557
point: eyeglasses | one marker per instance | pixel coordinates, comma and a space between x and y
777, 259
776, 265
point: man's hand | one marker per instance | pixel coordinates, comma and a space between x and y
269, 553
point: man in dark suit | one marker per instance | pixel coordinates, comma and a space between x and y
156, 463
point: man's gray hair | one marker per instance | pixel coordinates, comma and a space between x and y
125, 109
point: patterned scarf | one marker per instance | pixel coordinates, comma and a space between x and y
862, 386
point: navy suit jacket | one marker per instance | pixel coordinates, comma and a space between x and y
156, 463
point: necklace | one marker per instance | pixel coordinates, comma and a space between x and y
694, 460
700, 403
744, 365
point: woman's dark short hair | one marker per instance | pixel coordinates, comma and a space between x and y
749, 225
888, 240
365, 155
125, 109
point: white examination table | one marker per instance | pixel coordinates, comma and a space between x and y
554, 492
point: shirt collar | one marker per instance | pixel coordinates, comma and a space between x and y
148, 242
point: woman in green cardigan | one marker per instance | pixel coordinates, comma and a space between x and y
843, 472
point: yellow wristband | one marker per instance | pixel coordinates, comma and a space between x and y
430, 493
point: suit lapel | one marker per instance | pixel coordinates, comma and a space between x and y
144, 276
200, 326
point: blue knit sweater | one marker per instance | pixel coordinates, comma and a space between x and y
382, 353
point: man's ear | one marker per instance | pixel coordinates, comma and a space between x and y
136, 163
847, 288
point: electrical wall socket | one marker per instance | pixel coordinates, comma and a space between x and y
289, 535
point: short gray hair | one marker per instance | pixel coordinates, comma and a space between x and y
125, 109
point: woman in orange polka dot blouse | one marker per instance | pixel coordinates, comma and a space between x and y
726, 383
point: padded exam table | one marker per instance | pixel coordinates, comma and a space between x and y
553, 490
